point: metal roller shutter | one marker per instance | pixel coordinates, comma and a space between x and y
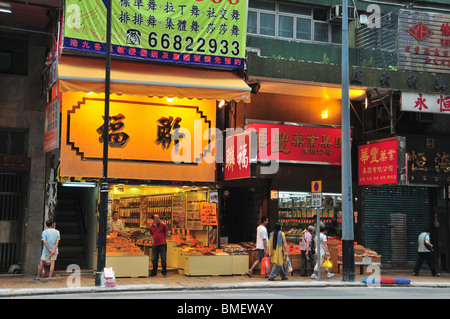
378, 204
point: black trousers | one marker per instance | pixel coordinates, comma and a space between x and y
305, 261
428, 257
158, 251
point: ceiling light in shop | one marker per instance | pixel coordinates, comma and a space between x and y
76, 184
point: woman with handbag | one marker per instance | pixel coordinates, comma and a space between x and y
324, 253
278, 252
307, 250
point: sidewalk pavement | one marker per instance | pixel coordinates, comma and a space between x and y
63, 283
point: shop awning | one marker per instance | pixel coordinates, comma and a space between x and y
134, 78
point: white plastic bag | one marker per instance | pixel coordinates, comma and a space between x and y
108, 277
288, 265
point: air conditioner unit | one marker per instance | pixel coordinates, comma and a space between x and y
335, 13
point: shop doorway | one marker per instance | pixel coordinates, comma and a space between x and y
74, 213
241, 213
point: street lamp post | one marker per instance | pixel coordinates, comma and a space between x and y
103, 210
348, 258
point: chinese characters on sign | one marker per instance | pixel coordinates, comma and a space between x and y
193, 32
208, 214
424, 41
378, 163
237, 156
51, 127
116, 138
313, 144
15, 163
428, 160
426, 103
166, 126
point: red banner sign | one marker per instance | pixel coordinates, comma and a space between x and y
237, 156
298, 143
378, 162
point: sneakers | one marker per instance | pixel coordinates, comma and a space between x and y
330, 275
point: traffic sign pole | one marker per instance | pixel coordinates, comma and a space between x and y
316, 201
318, 242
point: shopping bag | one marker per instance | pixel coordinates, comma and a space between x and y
288, 265
327, 264
265, 266
108, 277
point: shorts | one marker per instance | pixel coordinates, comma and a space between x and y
259, 254
48, 258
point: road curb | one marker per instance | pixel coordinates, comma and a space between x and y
5, 293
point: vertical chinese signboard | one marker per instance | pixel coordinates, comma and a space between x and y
51, 127
238, 156
424, 41
205, 32
378, 162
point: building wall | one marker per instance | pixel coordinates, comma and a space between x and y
21, 106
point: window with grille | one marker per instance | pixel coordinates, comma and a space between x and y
291, 22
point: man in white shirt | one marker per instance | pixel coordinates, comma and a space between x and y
262, 239
116, 223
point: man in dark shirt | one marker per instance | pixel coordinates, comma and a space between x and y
159, 232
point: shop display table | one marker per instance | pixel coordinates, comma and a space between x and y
218, 265
360, 266
127, 266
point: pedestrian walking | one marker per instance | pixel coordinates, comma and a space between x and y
159, 232
50, 240
278, 252
425, 249
262, 241
307, 251
324, 252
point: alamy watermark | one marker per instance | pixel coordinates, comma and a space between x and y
189, 143
373, 17
74, 279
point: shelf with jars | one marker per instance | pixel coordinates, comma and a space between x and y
162, 206
295, 212
130, 211
193, 200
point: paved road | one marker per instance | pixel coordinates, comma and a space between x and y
265, 294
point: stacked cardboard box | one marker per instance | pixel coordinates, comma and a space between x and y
363, 255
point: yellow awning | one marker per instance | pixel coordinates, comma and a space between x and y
135, 78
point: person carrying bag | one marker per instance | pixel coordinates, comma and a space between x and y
278, 252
